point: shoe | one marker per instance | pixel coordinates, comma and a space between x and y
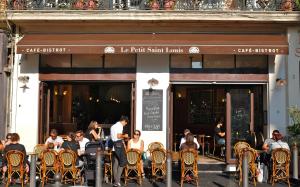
116, 185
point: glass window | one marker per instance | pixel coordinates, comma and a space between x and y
252, 61
56, 61
87, 61
120, 61
218, 61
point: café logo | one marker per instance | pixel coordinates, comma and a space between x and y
194, 50
109, 50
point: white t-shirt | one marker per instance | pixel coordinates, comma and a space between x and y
58, 139
136, 145
82, 144
182, 141
116, 129
279, 144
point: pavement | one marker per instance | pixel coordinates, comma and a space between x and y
218, 179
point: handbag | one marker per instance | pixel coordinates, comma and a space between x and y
144, 156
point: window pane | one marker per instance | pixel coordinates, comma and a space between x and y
120, 61
252, 61
218, 61
180, 61
56, 61
84, 60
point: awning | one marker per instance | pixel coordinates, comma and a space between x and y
153, 44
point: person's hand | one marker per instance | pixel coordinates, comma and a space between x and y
125, 135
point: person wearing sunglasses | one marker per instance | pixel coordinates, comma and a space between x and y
137, 143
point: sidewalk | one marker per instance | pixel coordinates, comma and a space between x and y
205, 180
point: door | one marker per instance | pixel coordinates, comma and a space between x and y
44, 111
132, 110
239, 118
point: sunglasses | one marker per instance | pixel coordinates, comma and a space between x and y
136, 134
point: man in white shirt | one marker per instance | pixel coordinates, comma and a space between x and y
120, 159
182, 141
55, 139
82, 141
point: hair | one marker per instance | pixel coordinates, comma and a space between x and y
275, 131
15, 137
72, 136
8, 135
124, 118
278, 136
79, 132
220, 120
189, 140
138, 132
92, 125
53, 131
186, 131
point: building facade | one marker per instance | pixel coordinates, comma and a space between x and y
166, 70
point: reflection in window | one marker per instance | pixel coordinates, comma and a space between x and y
218, 61
87, 61
120, 61
252, 61
56, 61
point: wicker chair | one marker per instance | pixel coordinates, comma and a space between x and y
280, 165
15, 166
251, 157
155, 145
49, 165
238, 147
189, 165
68, 169
38, 150
133, 166
108, 167
158, 164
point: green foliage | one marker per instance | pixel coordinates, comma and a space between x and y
297, 2
294, 128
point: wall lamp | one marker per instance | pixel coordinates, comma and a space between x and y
24, 80
152, 82
280, 82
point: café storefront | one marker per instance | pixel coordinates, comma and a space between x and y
202, 77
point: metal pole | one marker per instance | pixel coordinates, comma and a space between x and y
98, 169
295, 161
169, 171
245, 170
33, 170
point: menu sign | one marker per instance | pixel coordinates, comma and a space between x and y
152, 110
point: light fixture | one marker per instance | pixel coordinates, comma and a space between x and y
152, 82
24, 80
280, 82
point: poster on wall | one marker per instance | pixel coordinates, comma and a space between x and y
152, 110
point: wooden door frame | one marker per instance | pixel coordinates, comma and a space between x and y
170, 117
43, 119
132, 108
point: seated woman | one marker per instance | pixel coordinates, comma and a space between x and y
15, 145
137, 143
94, 132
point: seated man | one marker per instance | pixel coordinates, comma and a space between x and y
183, 139
82, 141
265, 156
55, 139
220, 137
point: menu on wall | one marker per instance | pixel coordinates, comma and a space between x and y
152, 110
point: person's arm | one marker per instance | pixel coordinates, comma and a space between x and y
129, 144
221, 134
197, 143
266, 146
122, 136
95, 135
142, 146
181, 142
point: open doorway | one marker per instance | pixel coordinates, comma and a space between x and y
199, 107
70, 106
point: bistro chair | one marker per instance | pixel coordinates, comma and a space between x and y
238, 147
38, 150
158, 164
133, 166
251, 155
69, 171
108, 166
201, 142
49, 165
189, 165
15, 166
280, 165
155, 145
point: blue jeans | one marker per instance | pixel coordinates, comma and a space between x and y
221, 141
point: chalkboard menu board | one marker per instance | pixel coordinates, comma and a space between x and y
152, 110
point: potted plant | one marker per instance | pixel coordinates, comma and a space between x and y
153, 4
169, 4
294, 129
